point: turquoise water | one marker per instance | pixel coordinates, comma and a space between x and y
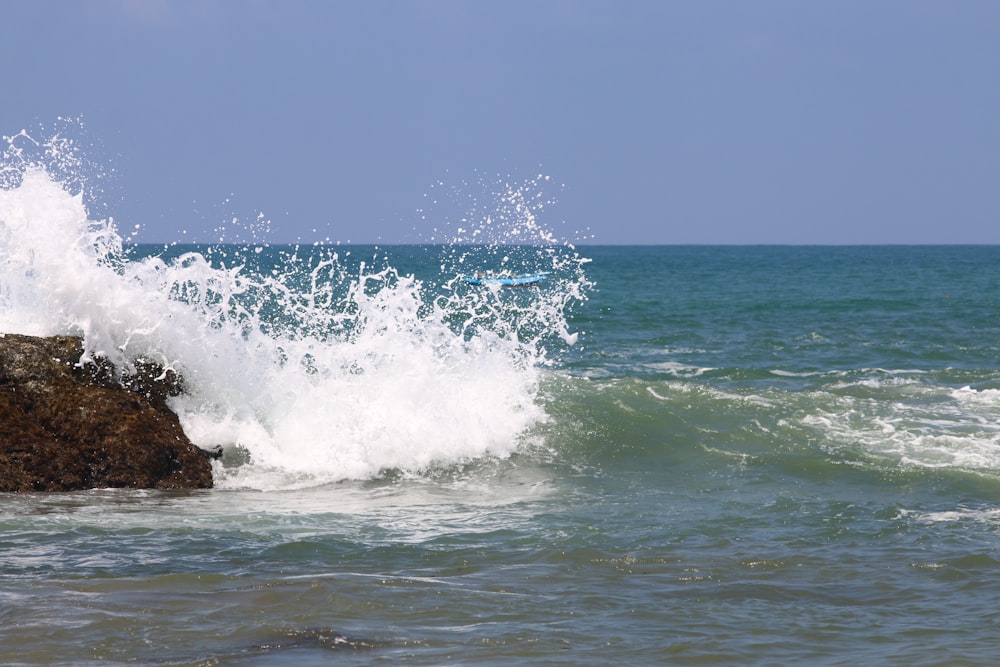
747, 456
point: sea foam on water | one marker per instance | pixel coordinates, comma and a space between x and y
303, 372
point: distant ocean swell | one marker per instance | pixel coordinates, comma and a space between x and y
869, 417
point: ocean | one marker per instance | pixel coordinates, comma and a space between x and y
655, 456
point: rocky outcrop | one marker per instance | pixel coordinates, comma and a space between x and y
66, 427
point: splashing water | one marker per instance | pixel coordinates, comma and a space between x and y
492, 225
305, 368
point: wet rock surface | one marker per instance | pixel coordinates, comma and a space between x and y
66, 427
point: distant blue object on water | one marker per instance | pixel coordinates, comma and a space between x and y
505, 280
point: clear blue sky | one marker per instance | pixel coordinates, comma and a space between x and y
703, 121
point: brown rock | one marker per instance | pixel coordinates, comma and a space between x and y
64, 427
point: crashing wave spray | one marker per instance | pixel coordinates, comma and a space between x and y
304, 367
492, 225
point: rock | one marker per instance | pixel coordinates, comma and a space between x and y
64, 427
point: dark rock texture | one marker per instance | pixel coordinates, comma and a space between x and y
64, 427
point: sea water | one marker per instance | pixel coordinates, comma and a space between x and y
660, 455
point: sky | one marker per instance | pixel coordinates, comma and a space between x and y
655, 121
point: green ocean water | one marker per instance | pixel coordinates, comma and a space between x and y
749, 456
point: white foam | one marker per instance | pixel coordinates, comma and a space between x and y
959, 515
981, 400
678, 369
924, 427
360, 373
